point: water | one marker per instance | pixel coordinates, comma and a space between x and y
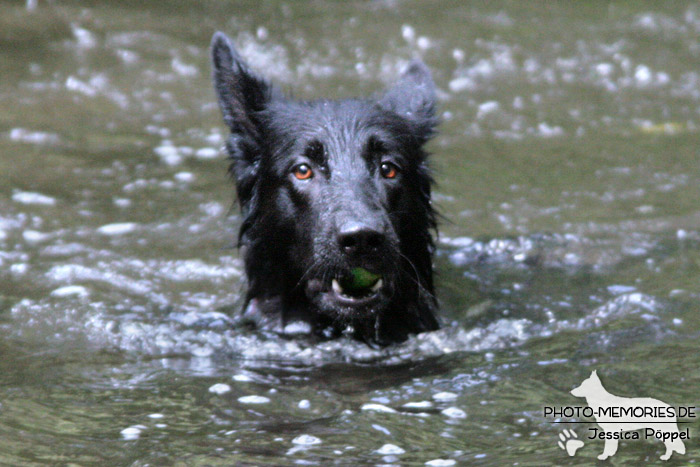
569, 179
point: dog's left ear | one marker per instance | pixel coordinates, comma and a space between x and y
413, 96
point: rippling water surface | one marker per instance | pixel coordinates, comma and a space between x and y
569, 181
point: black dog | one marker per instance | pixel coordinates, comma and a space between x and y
335, 201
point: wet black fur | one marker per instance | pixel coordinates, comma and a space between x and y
290, 228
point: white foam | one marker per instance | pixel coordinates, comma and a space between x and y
28, 197
306, 440
33, 137
389, 450
643, 75
253, 400
168, 154
76, 85
444, 396
129, 57
32, 236
548, 131
408, 32
418, 405
184, 177
70, 290
304, 404
72, 273
194, 269
206, 153
423, 43
454, 412
84, 38
184, 69
441, 462
133, 432
214, 138
261, 33
19, 268
604, 69
297, 327
377, 408
487, 108
621, 289
461, 84
381, 429
212, 209
120, 228
220, 388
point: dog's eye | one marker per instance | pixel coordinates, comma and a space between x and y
388, 170
303, 172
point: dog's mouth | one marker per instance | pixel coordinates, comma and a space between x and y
356, 287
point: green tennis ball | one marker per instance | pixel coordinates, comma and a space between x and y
360, 278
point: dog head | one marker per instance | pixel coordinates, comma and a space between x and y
335, 197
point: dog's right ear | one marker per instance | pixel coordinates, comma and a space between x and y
242, 96
241, 93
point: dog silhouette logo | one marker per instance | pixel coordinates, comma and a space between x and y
621, 418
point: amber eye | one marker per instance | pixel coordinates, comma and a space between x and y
389, 170
303, 172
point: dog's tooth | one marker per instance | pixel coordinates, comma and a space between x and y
377, 286
336, 287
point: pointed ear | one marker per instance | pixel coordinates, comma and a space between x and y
240, 91
413, 95
594, 374
242, 96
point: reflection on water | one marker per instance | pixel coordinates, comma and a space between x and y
568, 178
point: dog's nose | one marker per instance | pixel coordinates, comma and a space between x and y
357, 239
